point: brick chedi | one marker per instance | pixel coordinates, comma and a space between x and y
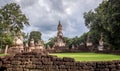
59, 39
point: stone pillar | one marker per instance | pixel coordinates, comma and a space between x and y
73, 47
101, 44
26, 47
88, 43
32, 45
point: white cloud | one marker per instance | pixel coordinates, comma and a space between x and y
44, 15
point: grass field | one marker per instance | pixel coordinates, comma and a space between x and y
3, 54
89, 56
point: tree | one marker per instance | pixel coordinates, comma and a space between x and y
36, 35
6, 39
83, 38
12, 21
12, 17
95, 36
51, 42
105, 19
68, 41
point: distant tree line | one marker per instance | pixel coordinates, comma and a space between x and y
70, 41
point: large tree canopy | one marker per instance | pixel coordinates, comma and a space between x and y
105, 19
12, 18
12, 21
36, 35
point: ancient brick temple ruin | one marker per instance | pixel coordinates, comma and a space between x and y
60, 45
19, 47
59, 39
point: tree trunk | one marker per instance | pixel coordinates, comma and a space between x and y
6, 49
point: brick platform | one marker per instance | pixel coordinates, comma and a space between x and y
38, 62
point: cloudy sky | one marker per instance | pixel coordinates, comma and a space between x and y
44, 15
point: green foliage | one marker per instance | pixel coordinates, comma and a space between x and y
36, 35
12, 17
83, 38
12, 21
77, 40
95, 36
51, 42
68, 41
105, 19
6, 39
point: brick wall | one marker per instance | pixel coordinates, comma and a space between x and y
39, 62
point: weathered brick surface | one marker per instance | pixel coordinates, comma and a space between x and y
39, 62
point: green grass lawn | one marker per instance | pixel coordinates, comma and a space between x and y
89, 56
3, 55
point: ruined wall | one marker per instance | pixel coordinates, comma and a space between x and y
81, 48
116, 52
38, 62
